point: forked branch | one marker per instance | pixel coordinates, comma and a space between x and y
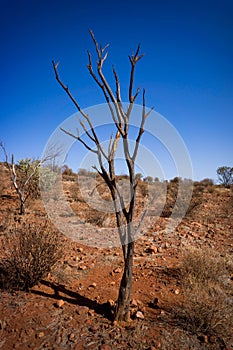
134, 58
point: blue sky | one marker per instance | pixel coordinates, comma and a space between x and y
187, 70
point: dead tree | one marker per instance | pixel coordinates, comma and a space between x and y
22, 185
120, 117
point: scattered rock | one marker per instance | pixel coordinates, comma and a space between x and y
151, 250
82, 310
40, 335
93, 329
91, 312
154, 303
140, 315
203, 338
93, 285
59, 303
134, 303
118, 270
82, 267
111, 302
160, 249
113, 283
177, 291
80, 250
71, 337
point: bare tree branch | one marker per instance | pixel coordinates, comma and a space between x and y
141, 129
134, 58
77, 137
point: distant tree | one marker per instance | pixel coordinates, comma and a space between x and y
120, 117
67, 171
148, 179
156, 179
82, 172
176, 179
207, 182
138, 176
225, 175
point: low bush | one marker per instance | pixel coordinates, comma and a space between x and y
203, 265
28, 254
207, 305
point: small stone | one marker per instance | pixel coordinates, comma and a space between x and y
113, 283
59, 303
111, 302
152, 250
177, 291
93, 285
93, 329
160, 249
118, 270
41, 335
154, 303
127, 317
91, 313
140, 315
71, 336
80, 250
82, 310
167, 245
134, 303
203, 338
82, 267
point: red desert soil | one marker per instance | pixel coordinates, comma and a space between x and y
70, 308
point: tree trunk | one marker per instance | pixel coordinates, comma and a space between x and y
22, 205
123, 303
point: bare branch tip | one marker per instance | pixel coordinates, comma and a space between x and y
55, 65
138, 49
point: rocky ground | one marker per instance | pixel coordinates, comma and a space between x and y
70, 308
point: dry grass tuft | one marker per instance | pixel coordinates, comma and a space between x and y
207, 306
28, 254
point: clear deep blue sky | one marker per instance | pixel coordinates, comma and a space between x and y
187, 70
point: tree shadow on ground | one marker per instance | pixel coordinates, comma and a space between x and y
71, 297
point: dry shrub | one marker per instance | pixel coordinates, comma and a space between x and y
28, 254
203, 265
75, 193
207, 306
143, 187
95, 217
179, 208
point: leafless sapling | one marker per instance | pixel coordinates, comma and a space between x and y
25, 175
